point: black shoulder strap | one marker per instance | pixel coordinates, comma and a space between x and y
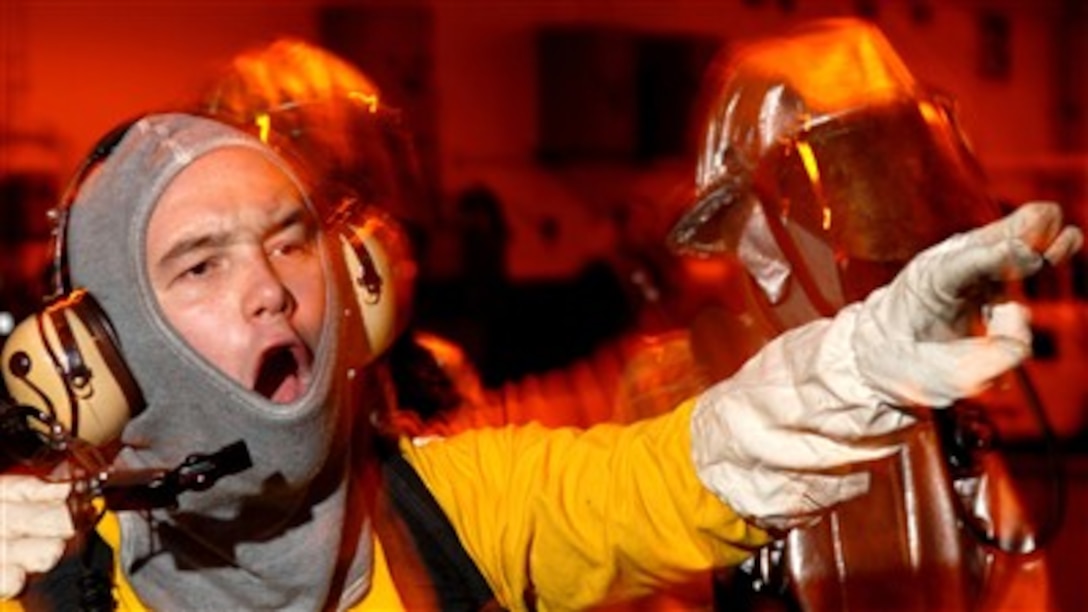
458, 583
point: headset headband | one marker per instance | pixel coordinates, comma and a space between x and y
59, 216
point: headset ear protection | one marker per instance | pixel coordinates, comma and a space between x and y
65, 360
382, 270
375, 247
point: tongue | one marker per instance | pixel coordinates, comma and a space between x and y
278, 378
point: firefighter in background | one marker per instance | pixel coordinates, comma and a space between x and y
335, 116
824, 166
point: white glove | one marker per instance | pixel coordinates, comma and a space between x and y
909, 340
34, 526
780, 441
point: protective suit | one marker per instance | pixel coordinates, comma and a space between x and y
824, 167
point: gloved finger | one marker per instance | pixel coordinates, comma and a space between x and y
18, 487
12, 580
1040, 226
38, 518
964, 261
1069, 241
33, 554
1010, 320
1013, 247
1033, 223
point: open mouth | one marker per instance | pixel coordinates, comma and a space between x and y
280, 375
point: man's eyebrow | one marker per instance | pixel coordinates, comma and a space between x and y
295, 216
298, 215
188, 245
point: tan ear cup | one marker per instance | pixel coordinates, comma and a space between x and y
383, 275
64, 361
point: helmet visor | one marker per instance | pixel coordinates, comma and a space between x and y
877, 184
349, 143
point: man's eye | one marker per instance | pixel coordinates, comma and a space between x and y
291, 248
197, 270
294, 246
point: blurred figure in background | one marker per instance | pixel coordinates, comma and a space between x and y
515, 328
28, 188
824, 168
465, 307
23, 268
335, 116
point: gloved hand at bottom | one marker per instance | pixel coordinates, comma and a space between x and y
35, 525
787, 436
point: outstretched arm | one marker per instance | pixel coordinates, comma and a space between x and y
788, 435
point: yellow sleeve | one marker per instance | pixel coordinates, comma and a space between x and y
577, 518
109, 528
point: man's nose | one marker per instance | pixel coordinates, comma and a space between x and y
266, 293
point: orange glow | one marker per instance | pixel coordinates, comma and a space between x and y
808, 160
929, 112
708, 272
369, 100
264, 124
857, 68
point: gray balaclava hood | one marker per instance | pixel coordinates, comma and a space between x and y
269, 537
